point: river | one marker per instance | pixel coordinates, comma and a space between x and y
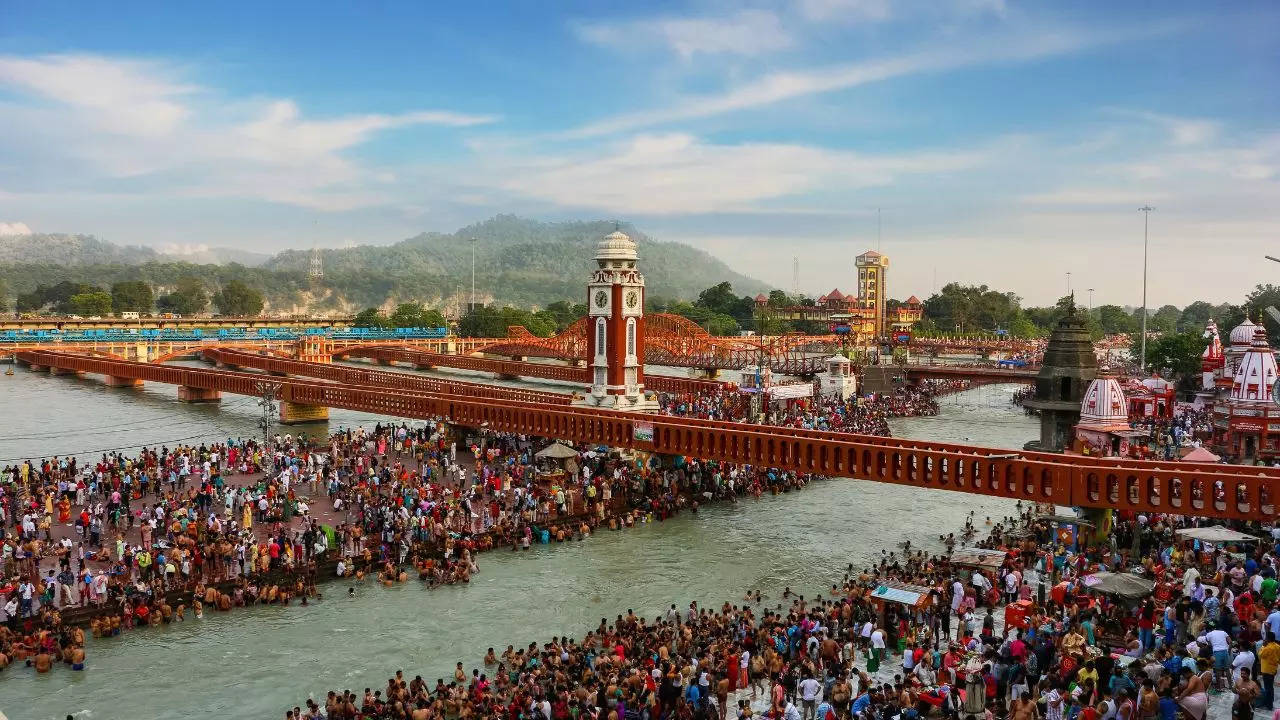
255, 662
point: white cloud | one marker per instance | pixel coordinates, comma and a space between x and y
184, 248
779, 86
14, 228
1093, 196
678, 173
747, 32
1182, 130
130, 97
845, 10
109, 119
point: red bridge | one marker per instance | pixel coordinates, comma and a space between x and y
1210, 490
512, 368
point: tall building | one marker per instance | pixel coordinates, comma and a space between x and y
615, 330
873, 288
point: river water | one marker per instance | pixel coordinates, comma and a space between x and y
255, 662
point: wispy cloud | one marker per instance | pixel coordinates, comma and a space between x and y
1182, 130
103, 118
14, 228
779, 86
746, 32
679, 173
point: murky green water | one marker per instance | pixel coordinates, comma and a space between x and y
253, 663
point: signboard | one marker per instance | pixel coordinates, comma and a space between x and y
902, 338
642, 431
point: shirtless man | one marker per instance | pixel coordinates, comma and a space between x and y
1023, 708
42, 662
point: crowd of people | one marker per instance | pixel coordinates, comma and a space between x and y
141, 540
867, 415
1208, 630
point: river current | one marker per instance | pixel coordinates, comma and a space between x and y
255, 662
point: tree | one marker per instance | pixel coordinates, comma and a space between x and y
371, 318
1195, 316
719, 298
90, 303
565, 313
1257, 302
1176, 353
1165, 319
237, 299
188, 297
1113, 319
131, 295
413, 315
4, 296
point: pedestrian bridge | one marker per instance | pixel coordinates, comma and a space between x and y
1208, 490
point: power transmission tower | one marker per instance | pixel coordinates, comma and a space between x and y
268, 393
795, 277
317, 265
1146, 218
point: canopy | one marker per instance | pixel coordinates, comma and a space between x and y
1216, 534
1124, 585
557, 451
979, 557
911, 595
1200, 455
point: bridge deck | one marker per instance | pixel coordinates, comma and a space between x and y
1218, 491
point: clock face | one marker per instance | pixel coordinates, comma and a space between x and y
633, 299
601, 298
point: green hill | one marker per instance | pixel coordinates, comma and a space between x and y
519, 262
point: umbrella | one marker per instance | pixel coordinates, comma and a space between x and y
1124, 585
557, 451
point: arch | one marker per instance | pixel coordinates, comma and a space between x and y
602, 344
1175, 491
1092, 489
1046, 483
1113, 489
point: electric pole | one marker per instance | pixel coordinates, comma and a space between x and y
473, 276
1146, 218
268, 393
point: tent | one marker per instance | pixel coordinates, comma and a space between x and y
557, 451
1200, 455
1123, 585
1215, 534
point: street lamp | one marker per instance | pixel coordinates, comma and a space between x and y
1146, 218
1090, 301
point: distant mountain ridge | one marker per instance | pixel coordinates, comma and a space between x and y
65, 249
519, 262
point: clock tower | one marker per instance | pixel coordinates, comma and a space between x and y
615, 329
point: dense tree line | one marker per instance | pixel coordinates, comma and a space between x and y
189, 295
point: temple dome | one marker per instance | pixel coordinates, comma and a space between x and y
1243, 333
616, 246
1104, 403
1257, 372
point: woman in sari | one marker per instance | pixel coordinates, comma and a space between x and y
64, 510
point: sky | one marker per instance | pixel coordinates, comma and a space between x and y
992, 142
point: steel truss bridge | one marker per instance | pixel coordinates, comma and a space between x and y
1209, 490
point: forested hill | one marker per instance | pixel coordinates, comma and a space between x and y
519, 262
59, 249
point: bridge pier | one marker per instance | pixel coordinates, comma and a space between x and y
189, 394
63, 371
114, 381
37, 368
294, 413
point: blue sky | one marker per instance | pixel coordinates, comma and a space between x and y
1005, 142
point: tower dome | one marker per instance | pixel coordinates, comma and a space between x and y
1104, 403
1242, 335
1257, 372
616, 246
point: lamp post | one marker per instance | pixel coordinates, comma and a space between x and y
1090, 301
1146, 218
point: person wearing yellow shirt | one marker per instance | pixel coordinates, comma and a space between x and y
1269, 659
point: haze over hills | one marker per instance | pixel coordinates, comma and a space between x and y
64, 249
519, 262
